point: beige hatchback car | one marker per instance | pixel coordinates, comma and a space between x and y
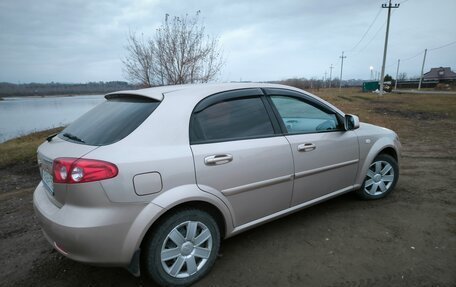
153, 179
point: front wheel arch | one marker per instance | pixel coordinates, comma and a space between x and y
389, 151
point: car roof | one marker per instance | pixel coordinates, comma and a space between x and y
199, 91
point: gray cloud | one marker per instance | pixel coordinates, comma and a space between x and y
78, 41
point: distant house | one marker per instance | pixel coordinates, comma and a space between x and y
441, 74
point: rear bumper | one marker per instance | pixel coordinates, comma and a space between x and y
105, 235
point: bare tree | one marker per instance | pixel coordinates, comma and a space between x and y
402, 76
180, 53
139, 63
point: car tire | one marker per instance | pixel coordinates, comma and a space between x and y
182, 248
381, 178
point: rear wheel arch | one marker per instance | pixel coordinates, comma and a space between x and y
164, 205
194, 204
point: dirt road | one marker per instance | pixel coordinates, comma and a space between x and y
407, 239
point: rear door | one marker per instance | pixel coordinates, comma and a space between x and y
325, 155
239, 151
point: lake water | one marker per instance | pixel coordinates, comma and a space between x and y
21, 116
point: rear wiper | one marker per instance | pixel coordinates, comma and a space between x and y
49, 138
73, 137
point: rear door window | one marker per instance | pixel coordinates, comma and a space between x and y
110, 121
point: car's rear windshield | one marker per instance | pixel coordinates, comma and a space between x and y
110, 121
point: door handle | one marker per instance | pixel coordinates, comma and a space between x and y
218, 159
306, 147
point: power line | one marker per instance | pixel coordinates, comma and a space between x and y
370, 41
390, 65
433, 49
409, 58
375, 35
443, 46
368, 29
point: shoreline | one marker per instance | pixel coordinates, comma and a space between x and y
31, 133
21, 151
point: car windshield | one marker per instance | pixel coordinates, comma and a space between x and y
110, 121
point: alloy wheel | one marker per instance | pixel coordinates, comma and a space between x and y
186, 249
379, 178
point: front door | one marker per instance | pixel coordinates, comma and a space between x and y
325, 156
324, 163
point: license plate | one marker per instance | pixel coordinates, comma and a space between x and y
48, 181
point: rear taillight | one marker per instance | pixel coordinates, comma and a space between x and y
73, 170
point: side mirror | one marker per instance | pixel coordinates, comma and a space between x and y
351, 122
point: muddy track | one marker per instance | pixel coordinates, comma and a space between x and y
407, 239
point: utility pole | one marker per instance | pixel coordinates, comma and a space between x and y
330, 74
397, 73
341, 69
324, 80
422, 69
389, 6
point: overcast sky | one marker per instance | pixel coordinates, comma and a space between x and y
80, 41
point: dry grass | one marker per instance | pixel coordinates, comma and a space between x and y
439, 105
420, 120
22, 150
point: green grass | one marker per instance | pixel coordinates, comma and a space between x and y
22, 150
